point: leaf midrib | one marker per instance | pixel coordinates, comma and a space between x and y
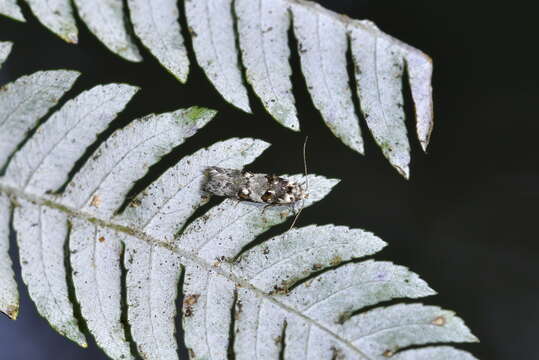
185, 255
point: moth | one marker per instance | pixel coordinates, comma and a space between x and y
267, 189
258, 188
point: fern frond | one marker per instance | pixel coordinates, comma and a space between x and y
57, 16
156, 24
225, 31
107, 21
10, 9
299, 295
5, 49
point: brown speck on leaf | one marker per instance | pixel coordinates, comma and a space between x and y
12, 311
266, 250
96, 201
278, 290
191, 299
336, 261
238, 310
337, 354
439, 321
317, 266
388, 353
277, 340
219, 260
135, 203
192, 32
187, 312
343, 317
101, 239
239, 306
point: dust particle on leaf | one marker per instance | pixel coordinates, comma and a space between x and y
439, 321
191, 299
337, 354
101, 239
335, 261
96, 201
12, 312
343, 318
388, 353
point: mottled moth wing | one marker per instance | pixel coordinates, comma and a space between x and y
259, 188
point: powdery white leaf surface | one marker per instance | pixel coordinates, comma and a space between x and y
41, 235
227, 228
263, 33
208, 300
95, 255
103, 182
258, 335
156, 24
294, 255
10, 9
57, 16
386, 330
152, 279
211, 26
24, 101
305, 340
107, 21
9, 296
419, 68
5, 49
323, 40
322, 46
164, 207
379, 67
45, 160
332, 296
264, 330
431, 352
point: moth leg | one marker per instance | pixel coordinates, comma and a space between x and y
267, 206
292, 208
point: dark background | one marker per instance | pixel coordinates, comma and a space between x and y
466, 220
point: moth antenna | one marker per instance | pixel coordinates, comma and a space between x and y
297, 215
306, 184
305, 162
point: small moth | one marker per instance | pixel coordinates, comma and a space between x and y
258, 188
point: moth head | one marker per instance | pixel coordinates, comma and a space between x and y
293, 193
